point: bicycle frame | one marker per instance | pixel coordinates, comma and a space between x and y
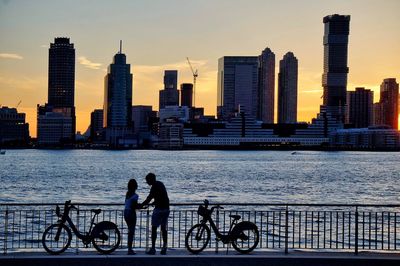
86, 237
225, 238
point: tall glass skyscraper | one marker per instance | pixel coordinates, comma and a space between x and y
334, 78
266, 86
287, 89
118, 99
237, 85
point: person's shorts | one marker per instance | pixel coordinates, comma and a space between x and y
159, 217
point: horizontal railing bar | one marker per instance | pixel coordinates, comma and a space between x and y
217, 203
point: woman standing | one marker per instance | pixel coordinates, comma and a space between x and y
131, 204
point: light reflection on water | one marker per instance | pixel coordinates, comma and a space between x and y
43, 176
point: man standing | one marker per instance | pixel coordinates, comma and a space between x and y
160, 212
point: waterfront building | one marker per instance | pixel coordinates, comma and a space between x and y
118, 100
359, 112
141, 117
180, 113
170, 135
334, 78
53, 126
237, 85
96, 125
287, 89
386, 112
13, 129
170, 94
244, 131
61, 89
266, 86
187, 94
371, 138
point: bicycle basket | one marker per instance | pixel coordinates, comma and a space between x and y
202, 211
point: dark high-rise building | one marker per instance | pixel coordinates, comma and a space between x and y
61, 89
169, 96
386, 112
118, 99
266, 93
360, 108
187, 94
287, 89
334, 78
142, 118
171, 79
237, 85
56, 121
96, 124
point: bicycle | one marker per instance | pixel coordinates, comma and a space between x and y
104, 236
243, 236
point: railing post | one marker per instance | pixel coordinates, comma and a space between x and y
287, 230
5, 231
217, 223
147, 229
356, 233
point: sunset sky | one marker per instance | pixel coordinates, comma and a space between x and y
159, 35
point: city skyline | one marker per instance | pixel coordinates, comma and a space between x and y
19, 80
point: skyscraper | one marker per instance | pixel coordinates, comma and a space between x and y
56, 122
237, 85
61, 87
386, 111
187, 94
169, 96
96, 124
334, 78
287, 89
266, 86
360, 108
118, 99
61, 79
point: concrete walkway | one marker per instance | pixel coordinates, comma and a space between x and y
180, 257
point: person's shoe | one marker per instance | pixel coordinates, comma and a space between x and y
131, 252
151, 251
163, 251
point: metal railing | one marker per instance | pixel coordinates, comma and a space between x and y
283, 227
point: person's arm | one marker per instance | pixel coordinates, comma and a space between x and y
149, 197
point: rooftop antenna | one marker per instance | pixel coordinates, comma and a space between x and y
120, 46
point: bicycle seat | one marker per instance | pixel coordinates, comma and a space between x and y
235, 217
96, 211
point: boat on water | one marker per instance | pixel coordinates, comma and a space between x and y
2, 152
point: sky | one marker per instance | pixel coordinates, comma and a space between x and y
158, 35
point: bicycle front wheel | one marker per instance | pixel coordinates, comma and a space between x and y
106, 237
247, 239
56, 238
197, 238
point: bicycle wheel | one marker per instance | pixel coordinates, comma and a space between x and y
197, 238
53, 245
247, 240
106, 237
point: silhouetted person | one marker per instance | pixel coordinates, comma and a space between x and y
160, 212
131, 204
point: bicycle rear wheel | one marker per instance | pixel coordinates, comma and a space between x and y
53, 244
197, 238
106, 237
247, 240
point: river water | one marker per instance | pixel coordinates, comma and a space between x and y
101, 176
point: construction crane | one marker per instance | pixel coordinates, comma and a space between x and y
18, 104
195, 75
